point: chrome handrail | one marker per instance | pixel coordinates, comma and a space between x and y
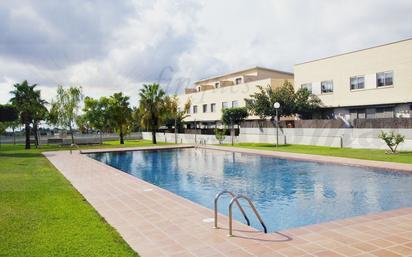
75, 145
235, 199
237, 202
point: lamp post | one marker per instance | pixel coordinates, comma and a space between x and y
276, 106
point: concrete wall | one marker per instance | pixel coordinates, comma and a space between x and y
351, 138
186, 138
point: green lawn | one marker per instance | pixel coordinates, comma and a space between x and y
366, 154
41, 214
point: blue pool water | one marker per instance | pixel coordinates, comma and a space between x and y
287, 193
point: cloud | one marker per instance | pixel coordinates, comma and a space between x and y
109, 46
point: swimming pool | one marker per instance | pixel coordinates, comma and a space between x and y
287, 193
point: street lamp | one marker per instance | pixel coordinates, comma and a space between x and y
277, 106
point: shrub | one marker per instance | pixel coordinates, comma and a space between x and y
220, 135
392, 139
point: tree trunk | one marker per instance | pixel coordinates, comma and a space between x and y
27, 130
36, 137
121, 137
101, 137
232, 132
154, 135
71, 133
14, 136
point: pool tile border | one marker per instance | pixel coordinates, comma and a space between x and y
157, 222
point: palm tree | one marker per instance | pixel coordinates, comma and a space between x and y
39, 113
151, 107
24, 98
120, 114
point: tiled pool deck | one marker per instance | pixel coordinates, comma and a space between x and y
156, 222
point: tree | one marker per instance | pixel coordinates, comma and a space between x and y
392, 140
82, 123
173, 115
120, 114
40, 113
65, 107
151, 106
25, 97
8, 113
220, 135
233, 116
300, 102
306, 104
96, 114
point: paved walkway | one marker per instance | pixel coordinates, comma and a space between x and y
155, 222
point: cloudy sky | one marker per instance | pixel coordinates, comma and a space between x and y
109, 46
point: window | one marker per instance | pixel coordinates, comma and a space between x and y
205, 108
384, 112
235, 103
384, 79
326, 86
212, 107
238, 81
194, 108
216, 84
198, 89
357, 114
225, 105
307, 86
357, 82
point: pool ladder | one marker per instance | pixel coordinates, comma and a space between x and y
235, 199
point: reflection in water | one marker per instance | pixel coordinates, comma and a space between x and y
287, 193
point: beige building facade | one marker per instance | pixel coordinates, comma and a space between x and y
209, 96
370, 83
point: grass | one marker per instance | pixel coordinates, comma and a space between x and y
365, 154
41, 214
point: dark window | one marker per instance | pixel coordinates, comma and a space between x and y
384, 112
326, 86
212, 107
235, 103
238, 81
194, 108
384, 79
357, 82
205, 108
357, 114
216, 84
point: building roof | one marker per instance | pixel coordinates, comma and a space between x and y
355, 51
242, 71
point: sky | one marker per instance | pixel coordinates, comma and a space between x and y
112, 45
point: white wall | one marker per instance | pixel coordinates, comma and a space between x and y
351, 138
186, 138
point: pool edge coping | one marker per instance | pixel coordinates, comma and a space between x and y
389, 166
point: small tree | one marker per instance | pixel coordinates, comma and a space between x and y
392, 140
220, 135
120, 114
65, 107
151, 107
96, 114
233, 116
25, 99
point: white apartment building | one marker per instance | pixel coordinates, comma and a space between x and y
209, 96
370, 83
